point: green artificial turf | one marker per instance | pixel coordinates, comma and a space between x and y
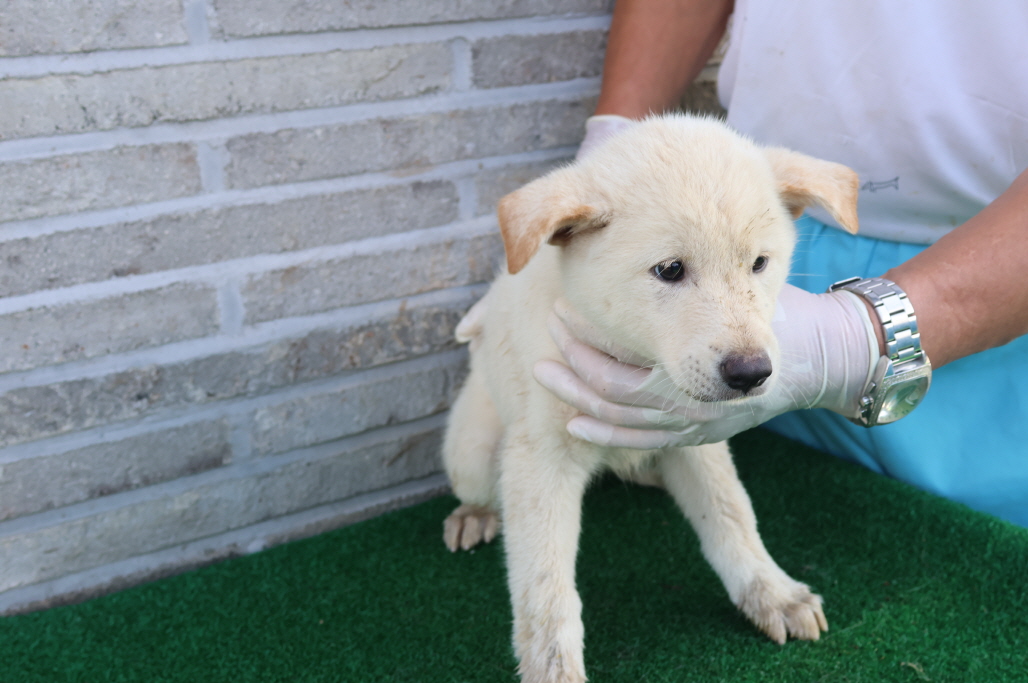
915, 588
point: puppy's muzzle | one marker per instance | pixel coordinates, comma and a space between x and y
745, 372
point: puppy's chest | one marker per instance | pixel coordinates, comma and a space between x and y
627, 463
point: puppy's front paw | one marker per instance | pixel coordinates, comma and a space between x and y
469, 525
782, 608
555, 673
553, 655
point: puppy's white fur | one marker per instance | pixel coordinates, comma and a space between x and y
669, 188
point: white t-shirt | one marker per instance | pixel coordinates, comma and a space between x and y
927, 100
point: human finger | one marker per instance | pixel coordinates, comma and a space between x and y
606, 375
603, 434
584, 331
569, 388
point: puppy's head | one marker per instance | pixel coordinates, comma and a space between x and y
674, 240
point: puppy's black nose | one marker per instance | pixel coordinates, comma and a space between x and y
745, 373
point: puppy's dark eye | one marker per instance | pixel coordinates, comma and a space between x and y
760, 264
670, 271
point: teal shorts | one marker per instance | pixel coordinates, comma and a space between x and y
967, 441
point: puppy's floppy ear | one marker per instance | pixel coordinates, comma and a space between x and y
804, 180
550, 208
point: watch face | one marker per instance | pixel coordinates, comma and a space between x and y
899, 399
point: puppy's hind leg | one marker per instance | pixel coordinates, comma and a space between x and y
473, 435
705, 485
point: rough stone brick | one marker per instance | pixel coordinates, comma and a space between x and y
97, 180
30, 556
265, 17
48, 26
189, 92
335, 414
213, 235
52, 481
493, 184
36, 412
405, 142
320, 286
58, 334
519, 60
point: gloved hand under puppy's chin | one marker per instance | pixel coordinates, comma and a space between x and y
827, 348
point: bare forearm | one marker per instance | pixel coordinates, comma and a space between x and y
970, 289
656, 48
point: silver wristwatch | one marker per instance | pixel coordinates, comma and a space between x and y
902, 376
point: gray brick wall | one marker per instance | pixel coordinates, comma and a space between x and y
235, 238
67, 183
135, 97
517, 60
53, 26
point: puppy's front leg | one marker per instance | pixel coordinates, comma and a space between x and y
706, 487
542, 487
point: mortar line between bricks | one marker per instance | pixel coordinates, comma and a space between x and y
231, 309
232, 127
109, 433
212, 158
235, 409
467, 197
239, 438
204, 551
270, 194
294, 44
349, 379
197, 28
216, 274
462, 74
251, 339
248, 469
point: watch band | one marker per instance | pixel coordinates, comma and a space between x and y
894, 311
905, 360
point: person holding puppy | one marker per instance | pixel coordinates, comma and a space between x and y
926, 101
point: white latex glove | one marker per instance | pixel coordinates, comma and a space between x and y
828, 351
599, 129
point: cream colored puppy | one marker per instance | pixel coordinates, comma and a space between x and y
672, 240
